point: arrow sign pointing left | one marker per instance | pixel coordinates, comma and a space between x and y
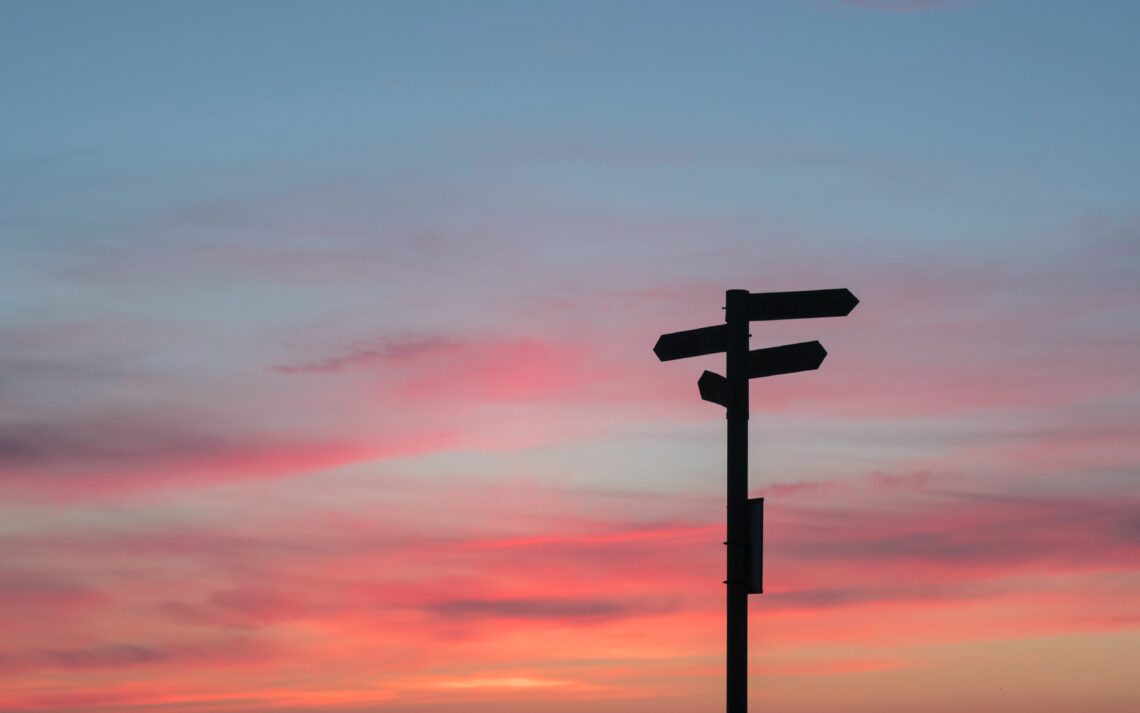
691, 343
714, 388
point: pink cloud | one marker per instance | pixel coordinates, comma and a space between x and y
447, 369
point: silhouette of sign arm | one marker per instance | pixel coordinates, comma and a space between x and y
804, 304
691, 343
786, 359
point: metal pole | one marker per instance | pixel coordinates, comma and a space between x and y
736, 372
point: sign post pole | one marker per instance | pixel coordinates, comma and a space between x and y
736, 373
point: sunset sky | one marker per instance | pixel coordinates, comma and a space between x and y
326, 379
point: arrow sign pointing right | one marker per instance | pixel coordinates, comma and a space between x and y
787, 359
800, 305
691, 343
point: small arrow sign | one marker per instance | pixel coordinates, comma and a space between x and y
786, 359
714, 388
800, 305
691, 343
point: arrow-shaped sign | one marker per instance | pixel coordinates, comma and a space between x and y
786, 359
691, 343
800, 305
714, 387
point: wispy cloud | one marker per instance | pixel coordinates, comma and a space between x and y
548, 608
374, 352
108, 455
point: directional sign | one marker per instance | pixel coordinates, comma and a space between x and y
786, 359
800, 305
714, 387
691, 343
755, 545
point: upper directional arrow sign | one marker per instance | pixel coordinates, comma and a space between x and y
692, 342
787, 359
800, 305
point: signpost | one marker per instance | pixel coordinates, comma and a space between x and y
746, 517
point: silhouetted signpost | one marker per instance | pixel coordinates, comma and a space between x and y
746, 517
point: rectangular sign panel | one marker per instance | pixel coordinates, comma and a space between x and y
755, 545
800, 305
692, 342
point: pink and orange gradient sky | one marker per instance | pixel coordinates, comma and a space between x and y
326, 379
